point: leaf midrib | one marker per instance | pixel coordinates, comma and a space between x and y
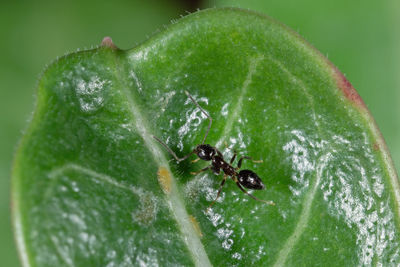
175, 201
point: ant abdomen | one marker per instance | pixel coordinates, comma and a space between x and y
250, 180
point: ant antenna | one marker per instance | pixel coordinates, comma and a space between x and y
172, 152
204, 139
204, 112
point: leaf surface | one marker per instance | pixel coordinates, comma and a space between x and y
91, 187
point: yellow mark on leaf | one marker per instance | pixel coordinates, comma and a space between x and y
196, 225
164, 178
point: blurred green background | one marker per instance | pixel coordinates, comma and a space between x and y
362, 38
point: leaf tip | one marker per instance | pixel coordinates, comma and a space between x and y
107, 42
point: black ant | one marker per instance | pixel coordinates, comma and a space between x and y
243, 179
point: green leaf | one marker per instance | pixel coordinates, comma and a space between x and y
91, 187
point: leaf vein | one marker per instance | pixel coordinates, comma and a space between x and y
254, 61
99, 176
305, 214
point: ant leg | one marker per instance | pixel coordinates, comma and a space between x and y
233, 158
172, 152
219, 192
219, 153
202, 170
250, 195
204, 112
246, 157
195, 160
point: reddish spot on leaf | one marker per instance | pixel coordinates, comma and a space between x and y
376, 147
348, 90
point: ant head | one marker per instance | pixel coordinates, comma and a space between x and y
205, 152
250, 180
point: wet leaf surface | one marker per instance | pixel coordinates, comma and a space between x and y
91, 187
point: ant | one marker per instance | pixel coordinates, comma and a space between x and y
243, 179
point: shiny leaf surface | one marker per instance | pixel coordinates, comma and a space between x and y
93, 188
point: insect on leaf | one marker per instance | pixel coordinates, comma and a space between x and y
92, 187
